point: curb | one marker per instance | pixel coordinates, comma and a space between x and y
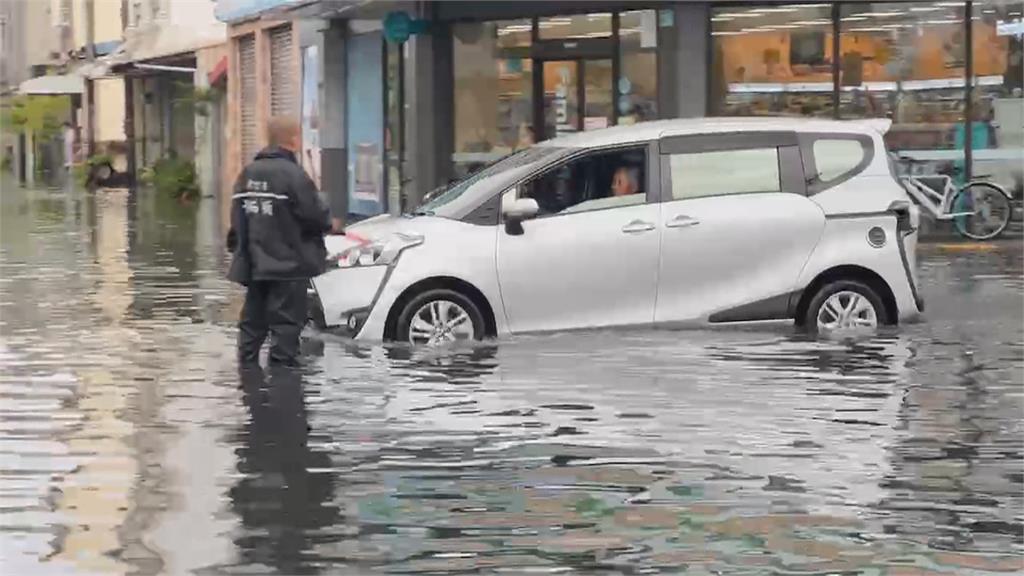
961, 247
998, 245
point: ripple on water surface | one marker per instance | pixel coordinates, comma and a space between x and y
129, 441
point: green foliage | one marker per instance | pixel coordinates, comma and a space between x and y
174, 177
40, 114
197, 99
81, 172
99, 160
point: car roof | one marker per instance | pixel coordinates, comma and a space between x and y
646, 131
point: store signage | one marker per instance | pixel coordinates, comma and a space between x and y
399, 26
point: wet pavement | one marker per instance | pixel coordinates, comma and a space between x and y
129, 443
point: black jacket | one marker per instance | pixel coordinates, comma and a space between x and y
278, 221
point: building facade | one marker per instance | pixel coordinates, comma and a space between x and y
169, 97
28, 55
264, 67
415, 94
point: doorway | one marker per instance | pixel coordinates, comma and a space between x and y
574, 95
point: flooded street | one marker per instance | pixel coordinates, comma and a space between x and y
129, 442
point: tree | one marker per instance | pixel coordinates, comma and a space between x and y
41, 114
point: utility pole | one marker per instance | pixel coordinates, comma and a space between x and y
90, 93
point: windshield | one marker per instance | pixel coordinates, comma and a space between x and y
463, 196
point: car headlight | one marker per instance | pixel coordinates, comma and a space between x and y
377, 253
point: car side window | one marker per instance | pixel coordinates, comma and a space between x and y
607, 179
833, 158
720, 172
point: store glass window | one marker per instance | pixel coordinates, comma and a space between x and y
578, 26
997, 130
637, 86
367, 195
514, 33
772, 60
493, 92
393, 89
905, 61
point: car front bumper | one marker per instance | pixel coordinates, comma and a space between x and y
344, 297
314, 310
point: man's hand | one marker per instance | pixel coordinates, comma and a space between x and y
336, 226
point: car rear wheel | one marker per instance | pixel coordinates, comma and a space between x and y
845, 307
438, 317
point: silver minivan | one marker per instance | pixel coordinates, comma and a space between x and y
675, 222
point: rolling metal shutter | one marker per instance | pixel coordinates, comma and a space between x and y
283, 80
248, 85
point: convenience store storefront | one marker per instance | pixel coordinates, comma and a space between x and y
948, 74
478, 80
519, 81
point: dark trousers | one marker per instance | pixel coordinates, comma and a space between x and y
275, 307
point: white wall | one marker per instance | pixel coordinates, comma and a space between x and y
162, 27
109, 94
194, 13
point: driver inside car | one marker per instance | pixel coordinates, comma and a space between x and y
626, 181
624, 191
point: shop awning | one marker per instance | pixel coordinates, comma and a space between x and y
56, 84
239, 10
165, 45
219, 71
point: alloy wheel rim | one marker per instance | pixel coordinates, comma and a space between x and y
440, 322
847, 311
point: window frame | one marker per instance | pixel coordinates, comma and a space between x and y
652, 178
791, 167
813, 183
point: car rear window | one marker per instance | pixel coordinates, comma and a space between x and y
834, 158
831, 159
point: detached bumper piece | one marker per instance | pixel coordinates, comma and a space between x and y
344, 297
314, 309
904, 228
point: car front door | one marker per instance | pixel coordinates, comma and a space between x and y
588, 259
737, 227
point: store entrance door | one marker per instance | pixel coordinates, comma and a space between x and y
576, 96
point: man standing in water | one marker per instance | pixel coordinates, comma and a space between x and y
278, 222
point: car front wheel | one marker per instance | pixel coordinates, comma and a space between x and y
845, 307
438, 317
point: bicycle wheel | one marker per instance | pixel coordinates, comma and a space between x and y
990, 211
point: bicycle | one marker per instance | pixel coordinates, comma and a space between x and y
980, 210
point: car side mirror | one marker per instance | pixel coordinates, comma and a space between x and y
516, 212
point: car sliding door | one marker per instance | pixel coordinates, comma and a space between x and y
737, 226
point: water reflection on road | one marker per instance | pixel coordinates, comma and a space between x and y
129, 442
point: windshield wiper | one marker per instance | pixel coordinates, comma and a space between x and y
421, 212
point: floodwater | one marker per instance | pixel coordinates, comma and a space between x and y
129, 443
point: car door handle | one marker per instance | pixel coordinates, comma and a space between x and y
638, 226
682, 221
